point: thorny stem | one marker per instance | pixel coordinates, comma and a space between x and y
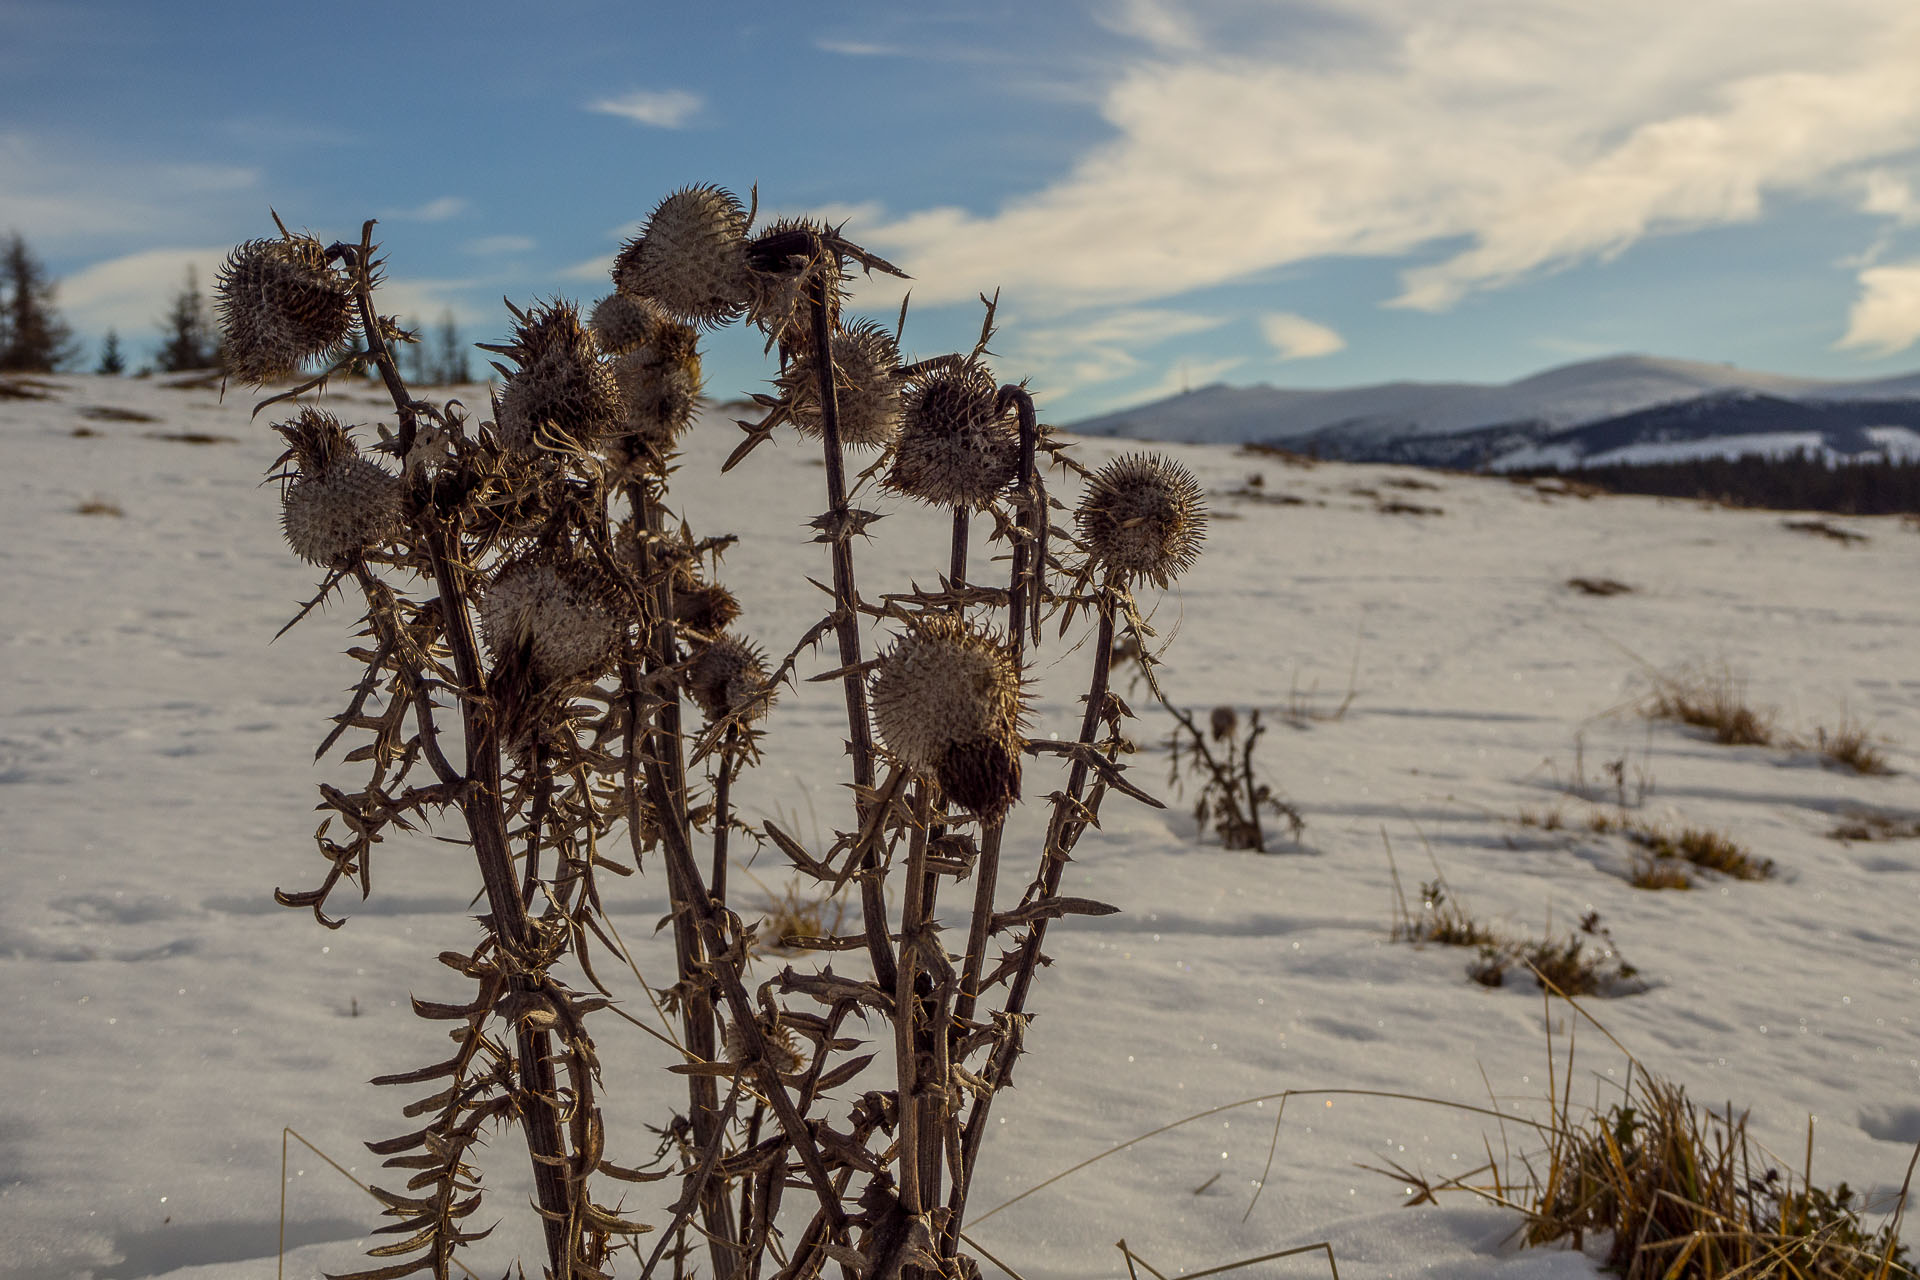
1063, 831
722, 810
480, 802
1022, 597
667, 794
873, 902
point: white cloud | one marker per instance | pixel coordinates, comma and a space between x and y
857, 48
490, 246
63, 200
1891, 196
131, 294
1886, 316
441, 209
1539, 134
1298, 338
1159, 24
660, 108
1093, 349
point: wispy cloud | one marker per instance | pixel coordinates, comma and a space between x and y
1886, 316
60, 199
858, 48
494, 246
1162, 25
1089, 350
131, 294
659, 108
440, 209
1295, 337
1540, 135
1890, 195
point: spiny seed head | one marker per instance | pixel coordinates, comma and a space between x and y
621, 322
691, 257
1225, 721
706, 607
730, 676
785, 266
338, 504
558, 617
956, 447
280, 304
866, 391
659, 380
561, 388
1142, 516
948, 702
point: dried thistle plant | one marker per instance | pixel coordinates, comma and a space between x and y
527, 580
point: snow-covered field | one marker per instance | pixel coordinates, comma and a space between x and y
168, 1020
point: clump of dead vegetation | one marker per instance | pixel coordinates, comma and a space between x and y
1713, 700
1867, 825
98, 506
1599, 586
1826, 529
1582, 962
1850, 746
1230, 799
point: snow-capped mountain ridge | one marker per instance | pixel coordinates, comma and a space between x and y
1359, 421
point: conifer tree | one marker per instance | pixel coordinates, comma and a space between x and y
452, 366
111, 361
187, 334
33, 339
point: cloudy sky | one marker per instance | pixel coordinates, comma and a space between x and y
1165, 192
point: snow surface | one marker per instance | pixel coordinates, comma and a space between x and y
1561, 397
168, 1019
1890, 444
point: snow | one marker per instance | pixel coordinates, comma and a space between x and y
1561, 397
1890, 444
168, 1020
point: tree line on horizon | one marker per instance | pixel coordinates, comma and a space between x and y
35, 339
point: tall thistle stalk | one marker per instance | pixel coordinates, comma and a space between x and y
531, 575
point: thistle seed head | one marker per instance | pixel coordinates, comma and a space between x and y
691, 258
706, 607
621, 322
867, 391
956, 447
948, 702
561, 388
730, 676
557, 618
280, 304
659, 380
338, 504
783, 1050
1142, 516
785, 267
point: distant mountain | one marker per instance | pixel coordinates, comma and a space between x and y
1471, 424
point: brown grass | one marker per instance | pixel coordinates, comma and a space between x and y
1849, 746
1866, 825
1714, 701
1685, 1194
98, 507
1701, 847
1658, 873
1825, 529
1599, 586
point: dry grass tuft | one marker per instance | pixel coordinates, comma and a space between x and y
1713, 700
1658, 873
1866, 825
1849, 746
111, 413
1599, 586
98, 507
191, 437
1701, 847
1825, 529
1685, 1194
792, 922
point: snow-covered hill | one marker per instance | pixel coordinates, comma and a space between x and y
167, 1020
1398, 418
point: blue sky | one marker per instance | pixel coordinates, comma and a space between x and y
1165, 193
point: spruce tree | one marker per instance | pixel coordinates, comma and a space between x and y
33, 339
453, 367
187, 335
111, 361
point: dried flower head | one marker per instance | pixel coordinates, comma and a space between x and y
866, 365
729, 676
1142, 516
280, 304
557, 619
562, 390
788, 259
691, 257
1225, 721
948, 702
659, 379
621, 322
956, 447
338, 504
